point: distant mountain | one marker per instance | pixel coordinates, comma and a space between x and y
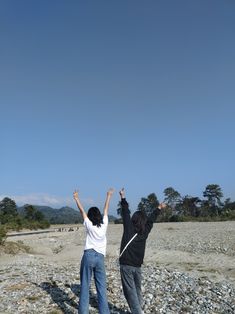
63, 215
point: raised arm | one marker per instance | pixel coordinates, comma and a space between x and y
108, 197
125, 212
124, 204
79, 205
152, 218
122, 194
156, 212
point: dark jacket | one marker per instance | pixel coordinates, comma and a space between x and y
134, 253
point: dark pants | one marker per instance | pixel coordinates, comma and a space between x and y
131, 284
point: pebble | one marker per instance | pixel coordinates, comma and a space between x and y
35, 286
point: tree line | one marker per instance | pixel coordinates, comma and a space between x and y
188, 208
179, 208
10, 219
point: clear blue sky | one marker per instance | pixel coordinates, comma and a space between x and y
94, 94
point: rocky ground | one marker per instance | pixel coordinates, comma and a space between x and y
189, 268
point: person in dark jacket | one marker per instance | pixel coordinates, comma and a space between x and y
135, 232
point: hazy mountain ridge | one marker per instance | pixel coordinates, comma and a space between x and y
63, 215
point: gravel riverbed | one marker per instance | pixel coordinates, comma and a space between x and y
189, 268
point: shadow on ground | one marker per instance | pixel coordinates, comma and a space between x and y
64, 300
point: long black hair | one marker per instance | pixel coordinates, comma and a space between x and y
95, 216
139, 220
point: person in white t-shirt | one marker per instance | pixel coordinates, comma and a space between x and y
94, 253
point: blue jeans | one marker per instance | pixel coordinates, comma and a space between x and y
93, 262
131, 284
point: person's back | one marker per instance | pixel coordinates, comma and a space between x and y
132, 256
96, 228
93, 256
140, 224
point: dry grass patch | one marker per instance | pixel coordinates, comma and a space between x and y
15, 247
34, 298
56, 312
190, 266
17, 286
57, 249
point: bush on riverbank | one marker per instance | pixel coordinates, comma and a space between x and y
225, 216
3, 234
10, 219
13, 248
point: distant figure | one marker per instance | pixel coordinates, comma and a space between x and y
93, 257
135, 233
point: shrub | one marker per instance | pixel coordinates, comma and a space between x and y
15, 247
34, 225
118, 221
175, 218
3, 234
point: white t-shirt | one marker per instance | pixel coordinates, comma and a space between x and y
96, 236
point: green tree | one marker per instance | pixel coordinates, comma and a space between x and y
213, 193
38, 216
149, 204
190, 206
228, 209
229, 205
119, 209
8, 210
29, 212
119, 213
32, 214
3, 234
165, 214
172, 198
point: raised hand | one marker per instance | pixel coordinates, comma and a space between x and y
110, 192
75, 195
162, 206
122, 193
79, 205
108, 197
